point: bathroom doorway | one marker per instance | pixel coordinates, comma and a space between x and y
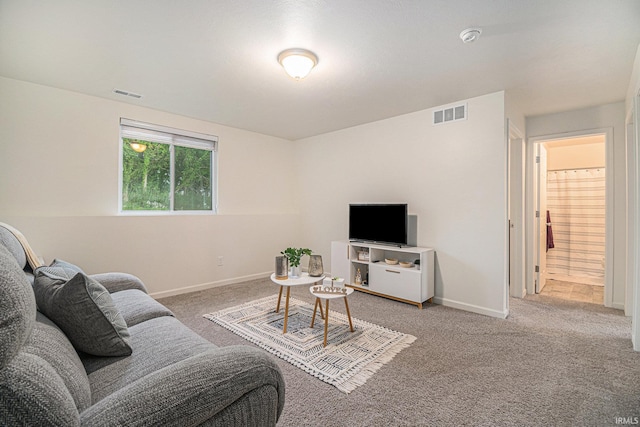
571, 218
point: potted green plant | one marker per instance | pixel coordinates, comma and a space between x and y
337, 282
294, 255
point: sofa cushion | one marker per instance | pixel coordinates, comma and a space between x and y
33, 394
230, 386
137, 306
156, 343
83, 309
49, 343
17, 307
116, 282
11, 242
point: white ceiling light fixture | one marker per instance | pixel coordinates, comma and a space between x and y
297, 62
470, 35
137, 146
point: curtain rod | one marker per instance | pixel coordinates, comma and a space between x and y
575, 169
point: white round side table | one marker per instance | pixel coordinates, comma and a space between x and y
327, 296
304, 279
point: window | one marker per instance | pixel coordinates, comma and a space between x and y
166, 169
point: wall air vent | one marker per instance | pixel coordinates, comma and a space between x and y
450, 114
125, 93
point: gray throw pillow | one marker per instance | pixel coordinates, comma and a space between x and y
83, 309
70, 269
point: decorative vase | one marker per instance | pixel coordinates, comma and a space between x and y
295, 272
315, 266
282, 268
358, 279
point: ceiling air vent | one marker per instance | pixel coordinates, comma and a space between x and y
125, 93
450, 114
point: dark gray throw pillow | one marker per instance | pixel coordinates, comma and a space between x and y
83, 309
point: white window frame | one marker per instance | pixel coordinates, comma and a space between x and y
172, 137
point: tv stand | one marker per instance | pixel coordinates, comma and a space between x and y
392, 245
413, 285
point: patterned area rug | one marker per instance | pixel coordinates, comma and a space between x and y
348, 360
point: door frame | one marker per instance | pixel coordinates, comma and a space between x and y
635, 213
632, 200
532, 239
516, 212
540, 206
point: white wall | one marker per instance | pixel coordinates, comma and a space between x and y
453, 176
600, 117
515, 133
576, 156
632, 111
634, 83
514, 113
59, 186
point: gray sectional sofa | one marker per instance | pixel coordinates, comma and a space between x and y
96, 350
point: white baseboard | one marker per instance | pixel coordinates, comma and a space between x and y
618, 306
438, 300
203, 286
470, 307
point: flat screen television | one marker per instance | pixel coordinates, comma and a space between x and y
379, 223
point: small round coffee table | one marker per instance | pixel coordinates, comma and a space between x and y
328, 295
304, 279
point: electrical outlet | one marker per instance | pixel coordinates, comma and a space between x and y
220, 260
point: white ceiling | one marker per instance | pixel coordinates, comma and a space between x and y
216, 59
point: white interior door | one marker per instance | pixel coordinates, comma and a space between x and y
541, 220
516, 217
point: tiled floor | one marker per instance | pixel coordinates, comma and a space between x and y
574, 291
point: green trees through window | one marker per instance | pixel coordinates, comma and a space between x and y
146, 176
166, 176
192, 190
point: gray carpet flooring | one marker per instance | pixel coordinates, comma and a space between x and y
552, 362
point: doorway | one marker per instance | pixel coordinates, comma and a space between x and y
572, 222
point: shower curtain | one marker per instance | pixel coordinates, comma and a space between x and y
576, 203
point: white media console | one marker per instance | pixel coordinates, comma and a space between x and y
413, 284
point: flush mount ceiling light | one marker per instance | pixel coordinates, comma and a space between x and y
470, 35
297, 62
137, 146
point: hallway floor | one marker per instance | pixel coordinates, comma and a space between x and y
574, 291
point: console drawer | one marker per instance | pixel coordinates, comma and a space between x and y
395, 282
